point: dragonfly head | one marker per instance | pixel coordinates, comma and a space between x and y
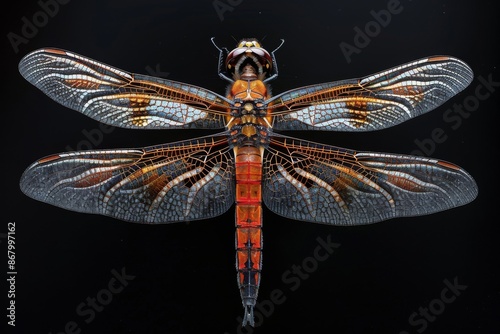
249, 52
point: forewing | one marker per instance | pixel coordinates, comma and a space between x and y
175, 182
374, 102
119, 98
331, 185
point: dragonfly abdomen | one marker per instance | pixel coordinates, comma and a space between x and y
248, 225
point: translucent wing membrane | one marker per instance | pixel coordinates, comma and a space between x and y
119, 98
181, 181
374, 102
331, 185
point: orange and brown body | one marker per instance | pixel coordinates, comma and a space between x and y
248, 222
249, 127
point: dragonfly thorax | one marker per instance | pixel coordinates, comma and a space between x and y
249, 124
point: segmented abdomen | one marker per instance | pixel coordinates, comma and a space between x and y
248, 222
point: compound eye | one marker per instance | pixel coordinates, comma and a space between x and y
258, 51
249, 49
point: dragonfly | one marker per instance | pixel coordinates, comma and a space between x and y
247, 163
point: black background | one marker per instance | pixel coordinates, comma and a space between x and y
184, 273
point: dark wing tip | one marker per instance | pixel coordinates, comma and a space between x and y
32, 181
464, 182
26, 183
